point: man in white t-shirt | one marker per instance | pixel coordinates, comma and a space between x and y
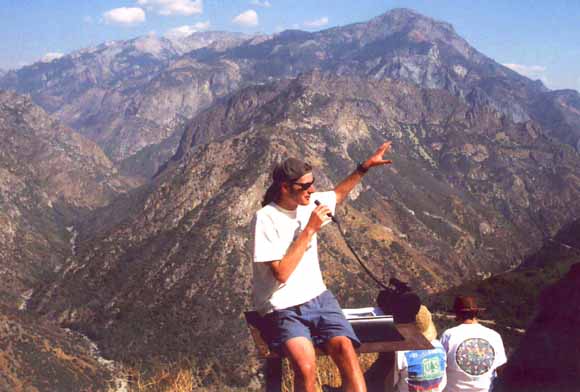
288, 290
474, 352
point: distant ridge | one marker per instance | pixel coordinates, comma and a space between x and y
134, 95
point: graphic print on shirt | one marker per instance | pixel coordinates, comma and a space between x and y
475, 356
425, 370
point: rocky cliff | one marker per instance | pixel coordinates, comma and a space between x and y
470, 193
50, 177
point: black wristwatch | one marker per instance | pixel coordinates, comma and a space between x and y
361, 169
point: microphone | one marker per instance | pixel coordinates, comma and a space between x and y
329, 214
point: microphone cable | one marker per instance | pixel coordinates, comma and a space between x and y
397, 298
356, 256
364, 267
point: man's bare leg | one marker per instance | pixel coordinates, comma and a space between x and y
301, 353
343, 354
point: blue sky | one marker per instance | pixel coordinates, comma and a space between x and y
540, 39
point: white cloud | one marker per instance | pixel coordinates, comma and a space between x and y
312, 24
124, 16
247, 18
531, 71
184, 31
534, 72
260, 3
50, 56
173, 7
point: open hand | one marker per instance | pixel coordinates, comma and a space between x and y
377, 158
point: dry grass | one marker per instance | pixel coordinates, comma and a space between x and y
160, 377
166, 380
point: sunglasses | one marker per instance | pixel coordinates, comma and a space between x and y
304, 185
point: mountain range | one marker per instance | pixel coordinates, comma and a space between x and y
129, 95
133, 221
470, 193
117, 94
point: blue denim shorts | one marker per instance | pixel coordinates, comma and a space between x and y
318, 320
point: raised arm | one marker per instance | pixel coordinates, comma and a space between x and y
376, 159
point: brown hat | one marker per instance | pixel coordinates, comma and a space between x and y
465, 303
425, 324
290, 170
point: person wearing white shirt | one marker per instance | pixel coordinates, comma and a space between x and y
474, 353
288, 289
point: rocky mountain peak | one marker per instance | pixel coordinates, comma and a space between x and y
216, 40
403, 22
405, 19
154, 46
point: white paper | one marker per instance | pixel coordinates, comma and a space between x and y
354, 313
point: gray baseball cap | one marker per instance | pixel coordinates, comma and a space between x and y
290, 170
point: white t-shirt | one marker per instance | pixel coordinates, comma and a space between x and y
275, 230
473, 354
420, 370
